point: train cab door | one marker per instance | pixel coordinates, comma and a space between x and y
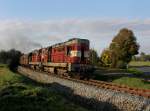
82, 55
49, 54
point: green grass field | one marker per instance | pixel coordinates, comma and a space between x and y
132, 82
139, 63
18, 93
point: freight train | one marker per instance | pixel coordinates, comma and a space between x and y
70, 58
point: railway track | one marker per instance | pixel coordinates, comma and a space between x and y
123, 88
107, 85
116, 87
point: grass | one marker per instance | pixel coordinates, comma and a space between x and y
132, 82
110, 70
135, 71
18, 93
139, 63
7, 77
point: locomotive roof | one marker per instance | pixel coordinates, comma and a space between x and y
71, 41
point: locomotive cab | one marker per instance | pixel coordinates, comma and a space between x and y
78, 54
77, 51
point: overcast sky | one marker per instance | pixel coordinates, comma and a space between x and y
31, 24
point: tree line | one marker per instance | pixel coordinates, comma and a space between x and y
10, 57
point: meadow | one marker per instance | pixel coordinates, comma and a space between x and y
139, 63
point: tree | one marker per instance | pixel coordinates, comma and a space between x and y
3, 57
122, 48
11, 58
93, 57
14, 57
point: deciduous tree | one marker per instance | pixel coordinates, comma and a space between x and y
122, 48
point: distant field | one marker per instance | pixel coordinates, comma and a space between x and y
139, 63
18, 93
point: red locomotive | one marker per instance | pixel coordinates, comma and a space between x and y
70, 58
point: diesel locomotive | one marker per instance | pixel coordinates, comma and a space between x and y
70, 58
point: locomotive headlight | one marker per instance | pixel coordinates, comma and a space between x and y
72, 53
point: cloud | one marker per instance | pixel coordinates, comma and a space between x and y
29, 35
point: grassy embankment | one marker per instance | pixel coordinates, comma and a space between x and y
18, 93
139, 63
136, 81
132, 81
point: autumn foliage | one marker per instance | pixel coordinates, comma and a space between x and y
121, 49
